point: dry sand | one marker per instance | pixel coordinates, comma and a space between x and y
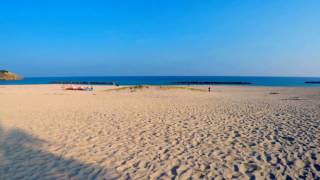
233, 132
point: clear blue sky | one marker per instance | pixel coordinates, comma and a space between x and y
160, 37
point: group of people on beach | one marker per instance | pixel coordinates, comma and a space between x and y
77, 87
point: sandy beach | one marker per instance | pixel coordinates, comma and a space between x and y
159, 133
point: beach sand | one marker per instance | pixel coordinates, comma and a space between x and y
153, 133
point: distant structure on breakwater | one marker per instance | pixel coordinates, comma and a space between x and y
312, 82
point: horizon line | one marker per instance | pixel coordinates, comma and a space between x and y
275, 76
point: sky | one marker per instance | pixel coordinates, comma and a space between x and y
160, 37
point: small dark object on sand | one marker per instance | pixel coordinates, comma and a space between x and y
274, 93
294, 99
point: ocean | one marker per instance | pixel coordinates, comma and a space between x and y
169, 80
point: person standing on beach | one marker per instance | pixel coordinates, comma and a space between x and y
209, 89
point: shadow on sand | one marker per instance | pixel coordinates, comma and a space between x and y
20, 159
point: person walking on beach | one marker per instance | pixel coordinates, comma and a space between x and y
209, 89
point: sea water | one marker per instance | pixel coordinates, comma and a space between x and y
169, 80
